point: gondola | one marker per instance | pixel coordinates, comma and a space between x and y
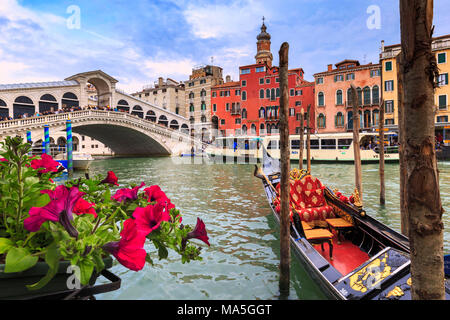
351, 255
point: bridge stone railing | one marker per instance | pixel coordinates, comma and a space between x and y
85, 115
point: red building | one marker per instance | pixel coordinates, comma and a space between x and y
251, 105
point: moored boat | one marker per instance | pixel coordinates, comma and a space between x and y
81, 161
351, 255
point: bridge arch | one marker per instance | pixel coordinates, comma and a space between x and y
174, 125
69, 100
47, 102
103, 90
4, 111
163, 120
123, 105
150, 116
137, 111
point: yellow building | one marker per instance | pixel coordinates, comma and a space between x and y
441, 47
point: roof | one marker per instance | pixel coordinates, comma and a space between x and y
227, 84
347, 61
29, 85
447, 36
89, 73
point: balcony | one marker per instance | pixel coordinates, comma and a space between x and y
235, 111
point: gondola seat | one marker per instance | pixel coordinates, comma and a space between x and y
308, 201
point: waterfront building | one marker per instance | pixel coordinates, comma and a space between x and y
333, 96
167, 94
198, 97
251, 105
441, 48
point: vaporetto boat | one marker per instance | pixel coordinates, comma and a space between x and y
333, 147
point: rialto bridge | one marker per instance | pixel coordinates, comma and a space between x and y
127, 125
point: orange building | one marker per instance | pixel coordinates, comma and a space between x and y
332, 96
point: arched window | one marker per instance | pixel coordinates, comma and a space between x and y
261, 93
320, 99
122, 105
339, 120
278, 92
163, 120
349, 97
367, 119
366, 96
375, 95
339, 97
350, 120
244, 113
244, 129
272, 94
253, 129
267, 93
47, 103
203, 93
191, 95
185, 128
262, 112
261, 128
69, 100
23, 106
321, 122
203, 106
174, 124
375, 117
150, 116
4, 111
191, 107
359, 91
244, 95
203, 118
137, 111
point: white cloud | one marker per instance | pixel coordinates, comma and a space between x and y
217, 21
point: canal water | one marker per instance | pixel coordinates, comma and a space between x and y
242, 261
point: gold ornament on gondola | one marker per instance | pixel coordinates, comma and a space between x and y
357, 200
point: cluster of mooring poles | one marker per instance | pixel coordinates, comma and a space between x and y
46, 144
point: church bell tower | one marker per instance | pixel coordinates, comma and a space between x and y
263, 54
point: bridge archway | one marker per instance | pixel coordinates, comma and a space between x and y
124, 141
174, 125
70, 100
163, 120
47, 103
23, 105
103, 91
4, 111
137, 111
123, 105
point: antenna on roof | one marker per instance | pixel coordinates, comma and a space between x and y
212, 60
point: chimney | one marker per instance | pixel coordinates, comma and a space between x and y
382, 45
227, 78
160, 82
330, 67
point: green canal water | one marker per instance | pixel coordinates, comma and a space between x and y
242, 261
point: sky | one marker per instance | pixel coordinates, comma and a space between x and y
137, 41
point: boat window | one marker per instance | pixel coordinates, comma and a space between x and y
273, 144
314, 144
328, 143
344, 143
253, 144
295, 144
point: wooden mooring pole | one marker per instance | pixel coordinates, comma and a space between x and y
302, 143
381, 148
356, 146
285, 254
308, 139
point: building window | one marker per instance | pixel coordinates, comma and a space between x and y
244, 113
203, 106
442, 102
237, 92
388, 66
245, 71
244, 83
237, 121
339, 97
442, 57
298, 103
350, 76
375, 73
261, 94
191, 95
277, 92
442, 119
389, 85
214, 94
339, 120
277, 80
222, 121
227, 106
262, 112
319, 80
267, 93
389, 122
338, 77
320, 99
292, 92
260, 69
272, 94
267, 80
366, 96
321, 121
376, 94
291, 112
389, 106
244, 95
299, 92
191, 108
442, 79
261, 80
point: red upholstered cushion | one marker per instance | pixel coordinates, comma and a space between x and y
314, 198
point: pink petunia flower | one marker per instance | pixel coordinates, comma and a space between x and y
82, 207
129, 250
46, 163
59, 209
111, 179
199, 232
150, 217
127, 194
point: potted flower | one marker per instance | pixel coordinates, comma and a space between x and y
47, 230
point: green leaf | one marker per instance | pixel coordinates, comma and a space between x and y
162, 252
107, 196
19, 259
86, 269
52, 258
148, 259
42, 200
5, 245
